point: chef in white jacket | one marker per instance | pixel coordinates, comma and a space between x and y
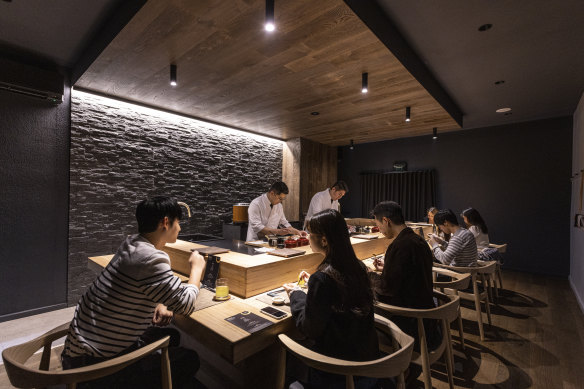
327, 199
265, 214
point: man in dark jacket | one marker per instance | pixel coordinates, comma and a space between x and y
406, 271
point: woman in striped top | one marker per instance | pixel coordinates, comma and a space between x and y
135, 290
461, 249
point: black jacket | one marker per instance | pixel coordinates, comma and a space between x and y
343, 335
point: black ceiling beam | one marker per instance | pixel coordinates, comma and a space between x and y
376, 19
119, 16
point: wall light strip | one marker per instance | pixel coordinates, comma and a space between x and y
168, 115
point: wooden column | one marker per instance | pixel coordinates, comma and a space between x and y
308, 167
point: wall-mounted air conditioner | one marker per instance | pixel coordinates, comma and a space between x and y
31, 81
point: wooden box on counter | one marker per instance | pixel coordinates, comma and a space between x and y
251, 275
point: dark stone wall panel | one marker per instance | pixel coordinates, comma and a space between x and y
121, 153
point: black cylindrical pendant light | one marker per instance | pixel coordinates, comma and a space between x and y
364, 83
270, 19
173, 74
408, 114
352, 145
435, 133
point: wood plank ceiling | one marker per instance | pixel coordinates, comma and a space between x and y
232, 72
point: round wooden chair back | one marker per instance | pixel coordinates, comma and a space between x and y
390, 365
23, 376
458, 280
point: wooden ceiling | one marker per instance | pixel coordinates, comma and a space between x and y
231, 71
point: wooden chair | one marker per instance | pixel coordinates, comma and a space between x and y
446, 313
502, 248
478, 296
22, 376
458, 281
391, 365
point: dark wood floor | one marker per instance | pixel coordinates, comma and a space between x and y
536, 340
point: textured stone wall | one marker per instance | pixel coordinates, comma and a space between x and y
121, 153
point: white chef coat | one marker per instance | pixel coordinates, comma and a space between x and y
261, 216
320, 202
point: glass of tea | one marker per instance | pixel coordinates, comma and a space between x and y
221, 289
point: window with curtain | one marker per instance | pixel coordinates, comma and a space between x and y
414, 191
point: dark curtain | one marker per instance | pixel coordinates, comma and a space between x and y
414, 191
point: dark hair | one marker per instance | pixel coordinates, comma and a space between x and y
150, 212
390, 210
432, 210
445, 215
474, 219
341, 263
341, 185
279, 187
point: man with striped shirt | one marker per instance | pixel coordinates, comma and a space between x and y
461, 249
137, 289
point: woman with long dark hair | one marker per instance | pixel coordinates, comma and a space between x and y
337, 313
475, 223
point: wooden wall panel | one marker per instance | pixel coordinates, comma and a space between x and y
291, 176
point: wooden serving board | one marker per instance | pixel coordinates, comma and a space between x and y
257, 243
212, 250
368, 237
287, 252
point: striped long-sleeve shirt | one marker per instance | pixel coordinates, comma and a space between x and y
460, 251
118, 307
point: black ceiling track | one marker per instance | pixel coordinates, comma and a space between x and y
371, 13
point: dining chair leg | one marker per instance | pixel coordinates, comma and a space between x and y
424, 355
487, 286
401, 381
460, 329
165, 366
449, 354
499, 276
350, 384
488, 305
493, 280
475, 289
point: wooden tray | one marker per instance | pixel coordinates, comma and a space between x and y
287, 252
368, 237
211, 250
256, 243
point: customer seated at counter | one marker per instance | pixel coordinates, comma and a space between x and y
406, 272
266, 214
461, 249
337, 313
327, 199
135, 290
431, 212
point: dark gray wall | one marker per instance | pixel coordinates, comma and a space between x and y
517, 176
121, 153
34, 188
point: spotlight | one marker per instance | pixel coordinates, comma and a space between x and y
435, 133
352, 145
173, 75
270, 24
408, 114
364, 82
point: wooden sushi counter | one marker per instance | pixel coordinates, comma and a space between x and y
251, 275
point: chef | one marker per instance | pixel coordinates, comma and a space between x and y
327, 199
266, 214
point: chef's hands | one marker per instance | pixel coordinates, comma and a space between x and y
294, 231
282, 231
162, 316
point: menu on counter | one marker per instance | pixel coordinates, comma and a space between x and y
249, 322
211, 271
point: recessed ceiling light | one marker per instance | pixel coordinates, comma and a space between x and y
499, 82
315, 113
485, 27
503, 110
